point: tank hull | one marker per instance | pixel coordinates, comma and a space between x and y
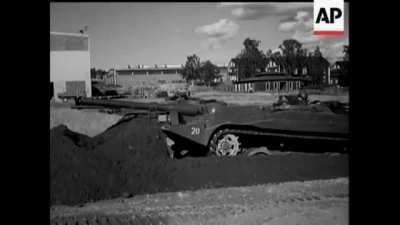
290, 124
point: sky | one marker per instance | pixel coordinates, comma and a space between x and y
123, 34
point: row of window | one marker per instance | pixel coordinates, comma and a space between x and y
150, 72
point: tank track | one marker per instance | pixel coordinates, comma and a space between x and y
213, 142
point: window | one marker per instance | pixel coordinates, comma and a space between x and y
304, 70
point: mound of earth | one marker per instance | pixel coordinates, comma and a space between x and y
86, 122
84, 168
130, 158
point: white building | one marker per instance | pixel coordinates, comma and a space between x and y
144, 75
70, 64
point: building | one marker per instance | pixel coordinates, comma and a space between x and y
275, 65
145, 75
70, 64
308, 71
142, 75
233, 73
316, 70
223, 72
271, 82
339, 73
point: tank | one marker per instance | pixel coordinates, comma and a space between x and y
209, 127
229, 130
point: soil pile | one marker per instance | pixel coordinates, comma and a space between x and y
130, 158
86, 122
119, 160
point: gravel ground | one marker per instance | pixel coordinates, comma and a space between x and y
310, 202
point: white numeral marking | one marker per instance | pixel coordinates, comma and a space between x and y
195, 131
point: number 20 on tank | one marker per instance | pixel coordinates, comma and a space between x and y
195, 131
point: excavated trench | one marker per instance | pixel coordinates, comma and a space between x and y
130, 158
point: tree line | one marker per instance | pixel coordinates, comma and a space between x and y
97, 73
196, 71
251, 60
291, 56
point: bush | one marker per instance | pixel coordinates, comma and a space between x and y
325, 90
224, 86
161, 94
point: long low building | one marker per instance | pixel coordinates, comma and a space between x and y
132, 77
269, 82
145, 75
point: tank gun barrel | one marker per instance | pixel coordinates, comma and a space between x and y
187, 109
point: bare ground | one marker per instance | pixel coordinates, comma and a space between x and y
257, 98
310, 202
260, 98
88, 122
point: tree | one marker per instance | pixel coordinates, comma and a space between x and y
291, 48
250, 60
208, 72
344, 68
317, 66
346, 53
317, 52
293, 54
97, 73
191, 69
93, 73
268, 53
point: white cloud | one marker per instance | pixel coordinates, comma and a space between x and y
258, 10
303, 21
212, 43
218, 33
223, 28
302, 15
288, 26
296, 20
300, 27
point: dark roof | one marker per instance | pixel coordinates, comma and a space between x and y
316, 60
270, 74
143, 70
270, 78
341, 63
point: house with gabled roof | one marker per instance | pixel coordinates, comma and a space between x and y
277, 79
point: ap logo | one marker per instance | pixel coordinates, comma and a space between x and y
328, 17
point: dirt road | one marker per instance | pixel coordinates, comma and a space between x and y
310, 202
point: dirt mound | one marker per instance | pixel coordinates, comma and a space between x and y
131, 158
84, 168
86, 122
74, 168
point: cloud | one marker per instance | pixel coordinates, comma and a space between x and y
258, 10
224, 28
217, 33
300, 27
302, 21
213, 43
